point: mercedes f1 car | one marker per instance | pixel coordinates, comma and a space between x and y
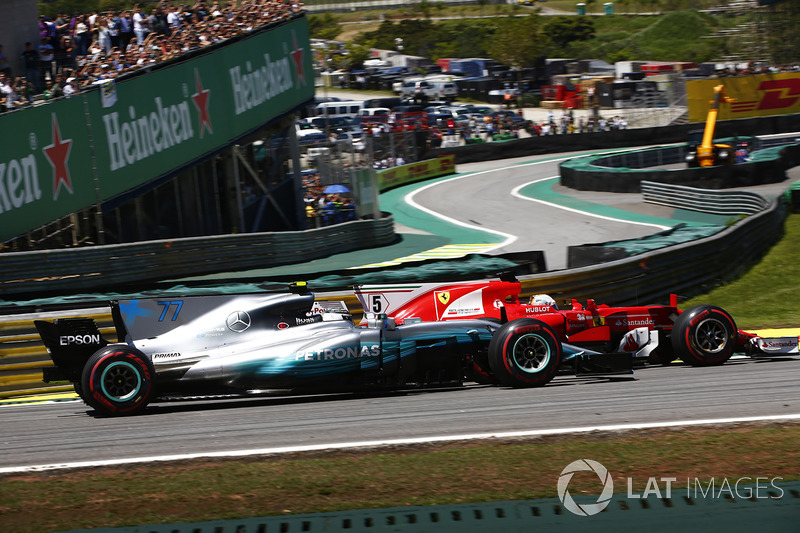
703, 335
207, 345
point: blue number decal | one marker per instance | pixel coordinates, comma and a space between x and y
178, 305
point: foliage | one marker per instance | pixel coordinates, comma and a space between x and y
324, 26
672, 37
563, 30
764, 295
523, 41
419, 36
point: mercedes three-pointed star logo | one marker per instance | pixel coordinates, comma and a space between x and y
238, 321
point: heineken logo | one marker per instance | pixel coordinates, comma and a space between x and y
254, 85
19, 178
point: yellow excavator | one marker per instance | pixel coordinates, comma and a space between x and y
705, 153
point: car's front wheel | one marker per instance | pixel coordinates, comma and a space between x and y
704, 335
118, 380
525, 353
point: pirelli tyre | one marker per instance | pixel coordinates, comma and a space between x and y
118, 380
704, 335
525, 353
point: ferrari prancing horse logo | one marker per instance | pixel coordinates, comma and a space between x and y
444, 297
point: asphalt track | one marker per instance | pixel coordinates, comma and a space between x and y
61, 433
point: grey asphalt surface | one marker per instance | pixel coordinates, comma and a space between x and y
64, 432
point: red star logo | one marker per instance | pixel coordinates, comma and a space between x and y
297, 57
200, 99
58, 153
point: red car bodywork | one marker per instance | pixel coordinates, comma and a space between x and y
600, 327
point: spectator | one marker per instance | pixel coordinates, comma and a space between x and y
103, 34
82, 36
46, 65
7, 95
25, 90
140, 25
30, 63
112, 21
5, 66
71, 87
125, 30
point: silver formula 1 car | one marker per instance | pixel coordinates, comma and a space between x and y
208, 345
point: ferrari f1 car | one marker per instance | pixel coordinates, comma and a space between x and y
703, 335
271, 342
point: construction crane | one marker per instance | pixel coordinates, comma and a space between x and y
706, 153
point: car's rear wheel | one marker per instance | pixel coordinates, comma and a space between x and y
118, 380
704, 335
525, 353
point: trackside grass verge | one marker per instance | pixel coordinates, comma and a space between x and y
389, 477
765, 295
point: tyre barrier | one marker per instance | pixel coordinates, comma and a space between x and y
623, 173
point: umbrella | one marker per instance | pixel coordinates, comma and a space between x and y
335, 189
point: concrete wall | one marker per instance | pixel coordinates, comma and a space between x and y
19, 23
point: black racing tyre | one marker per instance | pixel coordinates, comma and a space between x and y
79, 391
118, 380
525, 353
704, 335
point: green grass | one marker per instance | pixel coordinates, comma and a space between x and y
433, 475
766, 295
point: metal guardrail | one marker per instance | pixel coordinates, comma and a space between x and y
703, 200
113, 266
687, 269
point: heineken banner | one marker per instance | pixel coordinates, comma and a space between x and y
67, 155
758, 95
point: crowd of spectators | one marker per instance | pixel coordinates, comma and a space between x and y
82, 49
324, 209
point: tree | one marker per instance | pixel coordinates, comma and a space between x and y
522, 42
324, 26
565, 30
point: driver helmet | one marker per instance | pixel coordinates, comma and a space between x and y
543, 299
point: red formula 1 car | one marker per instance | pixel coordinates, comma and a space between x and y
703, 335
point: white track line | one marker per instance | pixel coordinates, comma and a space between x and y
515, 192
409, 199
392, 442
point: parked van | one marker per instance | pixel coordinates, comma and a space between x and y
349, 108
373, 111
445, 89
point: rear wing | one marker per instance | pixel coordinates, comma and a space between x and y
70, 343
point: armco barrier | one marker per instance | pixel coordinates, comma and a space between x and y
703, 200
117, 265
686, 269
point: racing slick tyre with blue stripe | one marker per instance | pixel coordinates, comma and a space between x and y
525, 353
118, 380
704, 335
